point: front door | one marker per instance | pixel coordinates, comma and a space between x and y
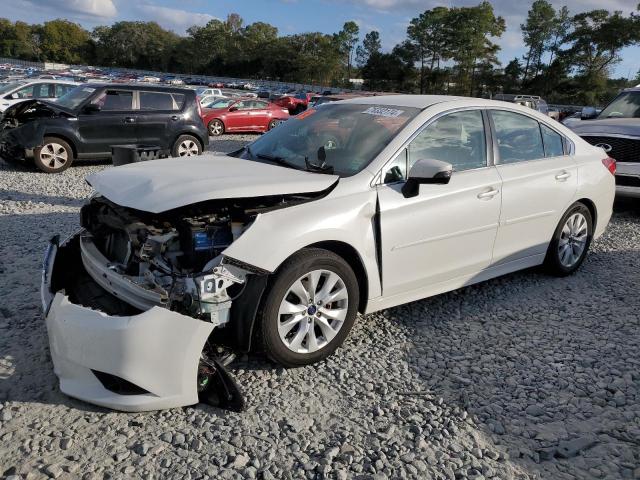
446, 231
114, 124
538, 183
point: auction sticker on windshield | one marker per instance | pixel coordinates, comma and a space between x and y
383, 112
305, 114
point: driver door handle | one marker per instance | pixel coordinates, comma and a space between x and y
129, 120
561, 177
488, 194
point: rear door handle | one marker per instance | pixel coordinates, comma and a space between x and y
488, 194
129, 120
563, 176
175, 117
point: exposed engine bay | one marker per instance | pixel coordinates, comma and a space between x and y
171, 260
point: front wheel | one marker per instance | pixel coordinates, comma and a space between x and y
54, 156
186, 146
309, 308
570, 242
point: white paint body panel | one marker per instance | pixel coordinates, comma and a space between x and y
442, 233
533, 201
157, 350
160, 185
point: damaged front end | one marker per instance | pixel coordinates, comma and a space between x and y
141, 308
22, 127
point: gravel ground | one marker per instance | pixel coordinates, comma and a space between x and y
525, 376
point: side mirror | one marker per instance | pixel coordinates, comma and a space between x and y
15, 96
588, 113
233, 109
92, 108
426, 171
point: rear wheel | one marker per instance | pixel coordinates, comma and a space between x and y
216, 128
186, 146
309, 309
54, 156
570, 242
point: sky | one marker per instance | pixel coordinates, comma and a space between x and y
389, 17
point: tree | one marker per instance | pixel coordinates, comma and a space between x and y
370, 45
63, 41
347, 39
594, 47
431, 33
537, 32
471, 46
512, 75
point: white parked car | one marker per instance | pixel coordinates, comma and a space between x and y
12, 93
357, 206
204, 91
209, 99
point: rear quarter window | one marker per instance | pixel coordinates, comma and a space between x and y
161, 101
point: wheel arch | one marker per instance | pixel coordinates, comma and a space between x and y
592, 209
64, 138
191, 134
352, 257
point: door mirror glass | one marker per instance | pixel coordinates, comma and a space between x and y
429, 171
588, 113
15, 95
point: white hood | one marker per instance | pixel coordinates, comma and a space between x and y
160, 185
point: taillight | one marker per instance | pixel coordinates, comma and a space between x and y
610, 164
199, 107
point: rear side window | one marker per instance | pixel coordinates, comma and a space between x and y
156, 101
61, 89
519, 138
552, 142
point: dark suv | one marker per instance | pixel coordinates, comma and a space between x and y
86, 122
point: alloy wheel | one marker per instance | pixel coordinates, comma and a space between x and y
573, 239
187, 148
215, 128
54, 155
313, 311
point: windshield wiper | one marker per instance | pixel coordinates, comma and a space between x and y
278, 160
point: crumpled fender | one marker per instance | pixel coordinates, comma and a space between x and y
274, 236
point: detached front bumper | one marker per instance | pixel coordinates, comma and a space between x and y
132, 363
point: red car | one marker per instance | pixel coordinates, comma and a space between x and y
295, 103
242, 115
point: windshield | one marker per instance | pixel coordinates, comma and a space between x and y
222, 103
73, 98
337, 138
10, 86
625, 105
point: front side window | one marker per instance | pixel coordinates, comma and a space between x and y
339, 137
553, 145
518, 137
457, 138
115, 100
61, 89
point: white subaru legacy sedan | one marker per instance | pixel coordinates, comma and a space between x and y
355, 206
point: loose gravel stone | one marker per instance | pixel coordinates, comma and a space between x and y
491, 381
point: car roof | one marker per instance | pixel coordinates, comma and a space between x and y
416, 101
138, 86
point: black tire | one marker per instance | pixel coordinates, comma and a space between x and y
216, 127
53, 156
294, 268
553, 262
186, 146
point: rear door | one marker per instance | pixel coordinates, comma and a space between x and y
259, 114
114, 124
158, 116
539, 181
